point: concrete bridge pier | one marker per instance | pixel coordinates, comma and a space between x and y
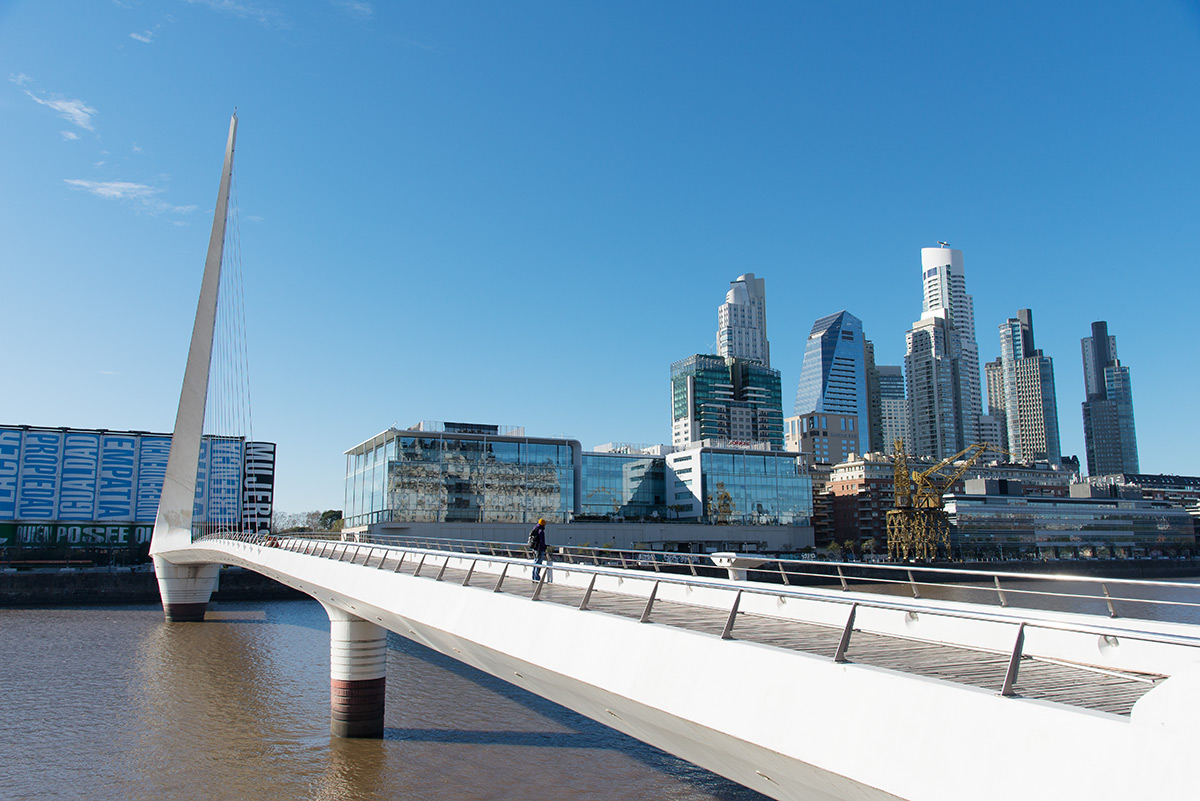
185, 589
357, 675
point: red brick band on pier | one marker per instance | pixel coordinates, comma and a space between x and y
356, 707
185, 613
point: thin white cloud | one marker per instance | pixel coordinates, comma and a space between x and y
69, 135
358, 9
20, 79
137, 148
145, 38
76, 112
141, 195
245, 10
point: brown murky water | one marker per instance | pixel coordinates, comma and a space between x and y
112, 703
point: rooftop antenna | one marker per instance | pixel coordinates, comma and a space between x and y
943, 244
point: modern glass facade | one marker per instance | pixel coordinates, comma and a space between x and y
988, 520
719, 485
1108, 427
618, 486
833, 377
422, 476
725, 399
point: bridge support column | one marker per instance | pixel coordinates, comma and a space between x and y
357, 675
185, 589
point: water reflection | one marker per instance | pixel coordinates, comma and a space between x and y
115, 704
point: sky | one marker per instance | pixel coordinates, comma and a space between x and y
521, 213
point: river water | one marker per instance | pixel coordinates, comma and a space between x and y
112, 703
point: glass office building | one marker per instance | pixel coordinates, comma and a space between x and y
725, 485
622, 486
461, 473
1024, 523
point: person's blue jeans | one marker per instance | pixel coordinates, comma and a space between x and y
541, 557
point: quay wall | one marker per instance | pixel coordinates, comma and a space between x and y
87, 587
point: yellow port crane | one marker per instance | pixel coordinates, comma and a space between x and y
918, 523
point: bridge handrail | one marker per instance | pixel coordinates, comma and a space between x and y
786, 568
778, 590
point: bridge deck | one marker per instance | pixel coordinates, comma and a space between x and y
1076, 685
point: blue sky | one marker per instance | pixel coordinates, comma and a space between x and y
523, 212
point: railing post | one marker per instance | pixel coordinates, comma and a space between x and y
442, 572
1014, 663
470, 570
649, 604
587, 596
1000, 592
727, 634
400, 562
783, 574
537, 591
500, 581
913, 583
844, 643
842, 578
1112, 612
420, 564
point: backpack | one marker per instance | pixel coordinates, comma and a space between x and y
533, 539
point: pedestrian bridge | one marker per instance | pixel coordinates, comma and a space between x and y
801, 686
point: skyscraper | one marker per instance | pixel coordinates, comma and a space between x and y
742, 321
932, 397
1108, 430
1030, 405
725, 399
893, 409
946, 356
994, 377
833, 376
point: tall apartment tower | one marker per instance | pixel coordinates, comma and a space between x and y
742, 321
997, 414
833, 377
1108, 430
725, 399
945, 358
874, 400
893, 409
932, 390
1030, 404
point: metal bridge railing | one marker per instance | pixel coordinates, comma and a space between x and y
430, 558
1115, 596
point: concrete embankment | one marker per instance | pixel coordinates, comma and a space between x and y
81, 587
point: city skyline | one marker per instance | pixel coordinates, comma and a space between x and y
487, 214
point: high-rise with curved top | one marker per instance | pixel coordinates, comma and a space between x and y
742, 321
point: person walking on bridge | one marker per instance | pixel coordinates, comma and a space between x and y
537, 543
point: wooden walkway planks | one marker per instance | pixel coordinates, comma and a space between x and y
1075, 685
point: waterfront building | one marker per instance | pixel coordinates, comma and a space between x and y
461, 473
488, 482
725, 398
742, 321
1179, 490
1109, 433
944, 395
98, 489
991, 431
893, 408
991, 517
623, 482
749, 486
1027, 390
833, 381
